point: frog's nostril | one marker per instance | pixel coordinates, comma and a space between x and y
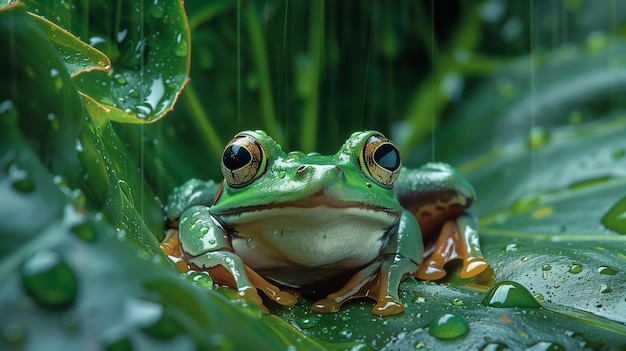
301, 169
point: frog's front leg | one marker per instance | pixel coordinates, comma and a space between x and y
206, 246
381, 279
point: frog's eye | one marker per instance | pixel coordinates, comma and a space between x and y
380, 160
243, 161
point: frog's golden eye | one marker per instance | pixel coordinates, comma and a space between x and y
380, 159
243, 161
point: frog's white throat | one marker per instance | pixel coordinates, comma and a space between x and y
318, 242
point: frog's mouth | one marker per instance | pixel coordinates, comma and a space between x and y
284, 238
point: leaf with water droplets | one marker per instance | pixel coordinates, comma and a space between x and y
77, 55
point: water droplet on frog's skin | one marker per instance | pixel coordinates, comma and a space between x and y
545, 346
251, 244
49, 280
509, 294
546, 267
607, 270
448, 326
575, 268
308, 322
14, 334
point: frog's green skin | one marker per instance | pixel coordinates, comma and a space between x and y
301, 220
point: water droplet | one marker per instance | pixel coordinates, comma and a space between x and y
345, 333
494, 346
546, 267
457, 302
538, 137
604, 289
420, 345
308, 322
49, 280
545, 346
181, 48
14, 334
448, 326
202, 279
607, 270
509, 294
20, 179
575, 268
251, 244
84, 231
156, 10
513, 247
120, 79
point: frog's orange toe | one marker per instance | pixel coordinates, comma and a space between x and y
285, 299
387, 306
326, 306
472, 267
431, 271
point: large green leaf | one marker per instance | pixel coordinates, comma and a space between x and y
80, 196
147, 48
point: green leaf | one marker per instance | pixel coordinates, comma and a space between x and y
148, 48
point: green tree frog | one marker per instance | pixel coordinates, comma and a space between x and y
354, 221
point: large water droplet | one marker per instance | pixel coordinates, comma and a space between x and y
448, 326
49, 280
202, 279
607, 270
14, 334
494, 346
509, 294
545, 346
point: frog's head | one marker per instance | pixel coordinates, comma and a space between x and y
310, 210
259, 175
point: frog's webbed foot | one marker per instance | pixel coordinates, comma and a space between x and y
458, 239
379, 281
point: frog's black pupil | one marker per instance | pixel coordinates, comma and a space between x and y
387, 156
235, 157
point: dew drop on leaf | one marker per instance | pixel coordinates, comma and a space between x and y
545, 346
308, 322
509, 294
448, 326
201, 279
49, 280
494, 346
606, 270
14, 334
575, 268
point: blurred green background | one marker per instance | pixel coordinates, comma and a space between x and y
523, 97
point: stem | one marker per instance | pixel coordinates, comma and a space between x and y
259, 51
309, 130
201, 120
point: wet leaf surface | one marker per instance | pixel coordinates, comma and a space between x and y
81, 215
